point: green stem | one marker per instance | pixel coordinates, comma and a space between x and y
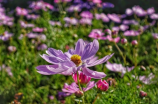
80, 87
124, 59
135, 57
95, 98
157, 46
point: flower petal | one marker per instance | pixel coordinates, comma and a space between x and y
93, 74
90, 50
90, 85
100, 61
79, 47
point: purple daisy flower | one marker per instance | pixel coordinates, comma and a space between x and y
73, 88
86, 14
128, 22
107, 5
155, 35
129, 11
150, 10
5, 36
139, 11
114, 17
86, 21
102, 16
154, 16
131, 33
70, 62
118, 68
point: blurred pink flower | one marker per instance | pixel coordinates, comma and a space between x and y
97, 34
131, 33
21, 11
74, 87
86, 14
37, 29
114, 17
116, 40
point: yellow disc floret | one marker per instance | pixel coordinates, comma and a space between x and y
76, 59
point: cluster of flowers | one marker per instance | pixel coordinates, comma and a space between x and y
76, 62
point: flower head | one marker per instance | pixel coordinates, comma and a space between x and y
83, 79
102, 85
97, 34
70, 62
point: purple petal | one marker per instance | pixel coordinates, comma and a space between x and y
100, 61
90, 85
56, 53
93, 74
52, 60
79, 47
90, 50
53, 69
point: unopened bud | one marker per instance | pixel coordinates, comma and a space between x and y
124, 41
79, 93
143, 68
134, 42
143, 94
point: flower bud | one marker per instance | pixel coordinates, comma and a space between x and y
83, 79
124, 41
102, 85
79, 93
143, 94
134, 42
143, 68
111, 82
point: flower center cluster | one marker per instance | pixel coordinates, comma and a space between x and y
76, 59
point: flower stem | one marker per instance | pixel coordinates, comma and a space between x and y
124, 59
95, 98
135, 57
80, 87
157, 47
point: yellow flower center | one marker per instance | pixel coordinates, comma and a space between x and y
76, 59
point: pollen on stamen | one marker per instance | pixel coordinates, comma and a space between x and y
76, 59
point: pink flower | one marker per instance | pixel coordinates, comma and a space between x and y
97, 34
150, 10
114, 17
97, 1
129, 11
86, 14
102, 16
83, 79
116, 40
21, 11
37, 29
131, 33
73, 88
102, 85
155, 35
154, 16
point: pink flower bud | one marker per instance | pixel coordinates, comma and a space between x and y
143, 94
124, 41
134, 42
83, 79
102, 85
79, 93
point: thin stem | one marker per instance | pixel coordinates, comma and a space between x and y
80, 87
95, 98
124, 59
135, 57
157, 47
